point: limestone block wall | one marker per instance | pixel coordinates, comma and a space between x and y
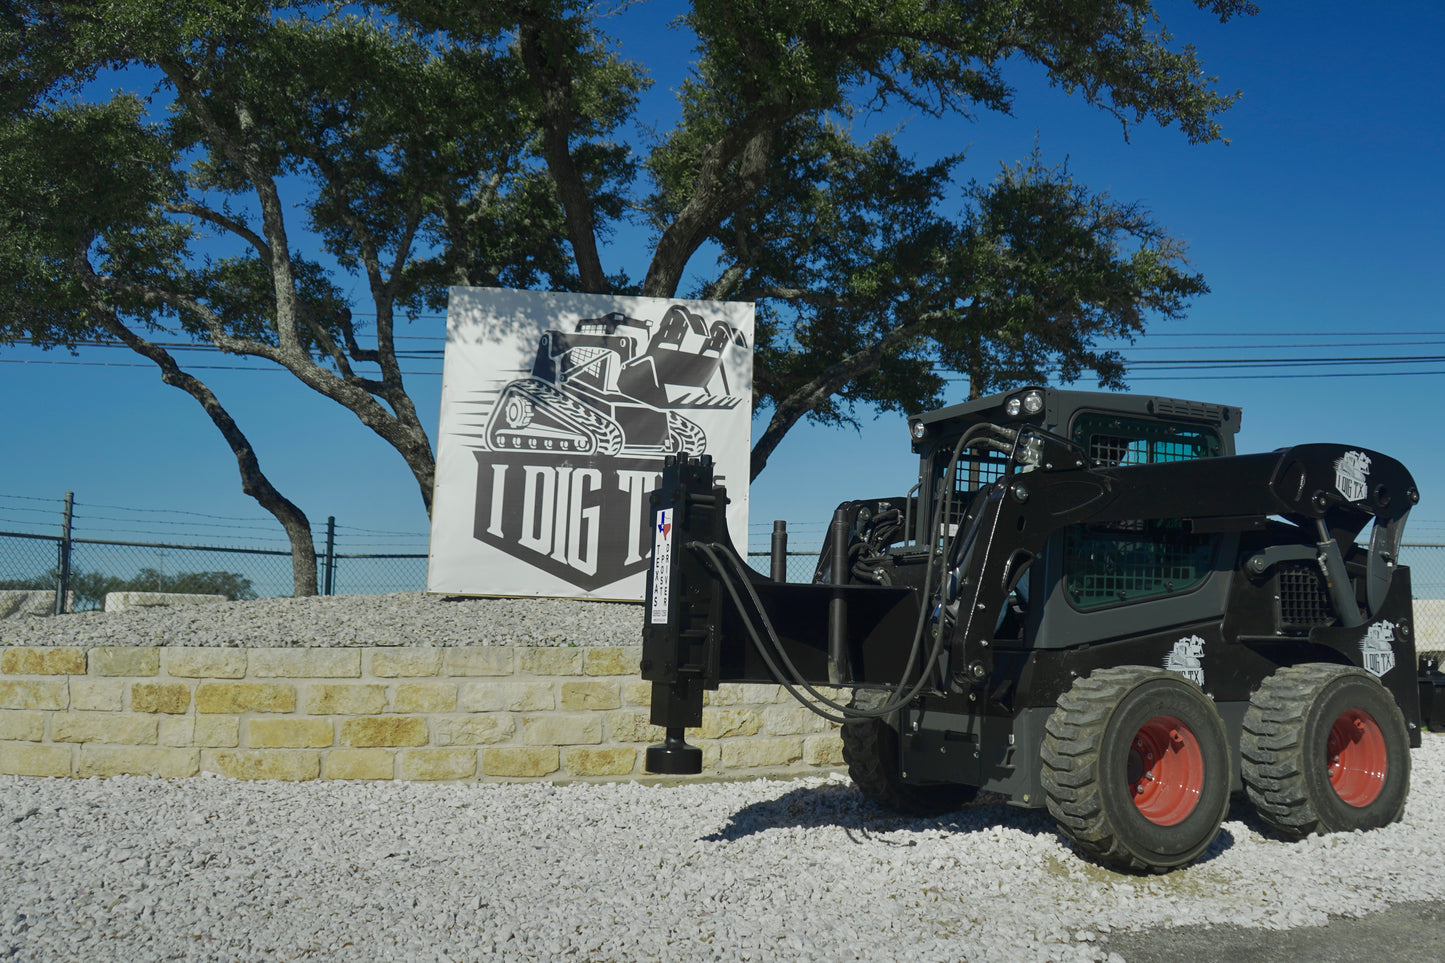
491, 713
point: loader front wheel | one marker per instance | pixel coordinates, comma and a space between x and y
870, 748
1136, 768
1325, 749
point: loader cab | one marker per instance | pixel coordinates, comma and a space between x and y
1092, 581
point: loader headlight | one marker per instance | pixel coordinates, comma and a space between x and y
917, 430
1031, 402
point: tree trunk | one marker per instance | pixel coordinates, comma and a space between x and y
253, 481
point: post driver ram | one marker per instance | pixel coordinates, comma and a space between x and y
1089, 603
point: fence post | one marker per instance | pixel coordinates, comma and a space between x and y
330, 553
62, 586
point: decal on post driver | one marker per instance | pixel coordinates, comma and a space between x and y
661, 565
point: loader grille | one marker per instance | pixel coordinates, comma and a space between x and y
1132, 561
1303, 600
971, 474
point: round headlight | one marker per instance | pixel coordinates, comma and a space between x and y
1033, 402
917, 430
1012, 407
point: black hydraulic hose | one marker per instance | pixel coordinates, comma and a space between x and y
1004, 441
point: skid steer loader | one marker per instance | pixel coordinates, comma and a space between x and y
1089, 603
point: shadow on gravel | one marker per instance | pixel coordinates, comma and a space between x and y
841, 806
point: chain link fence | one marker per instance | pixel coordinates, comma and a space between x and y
189, 552
352, 560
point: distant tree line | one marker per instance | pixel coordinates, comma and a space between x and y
91, 588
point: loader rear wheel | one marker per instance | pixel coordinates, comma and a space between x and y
1136, 768
870, 748
1325, 749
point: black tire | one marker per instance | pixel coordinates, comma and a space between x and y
1294, 772
1136, 768
870, 748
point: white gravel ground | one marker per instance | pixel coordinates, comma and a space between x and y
212, 869
402, 618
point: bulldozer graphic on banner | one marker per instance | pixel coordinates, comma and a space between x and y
615, 386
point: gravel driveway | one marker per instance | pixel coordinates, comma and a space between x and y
212, 869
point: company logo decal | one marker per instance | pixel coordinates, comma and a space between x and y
1377, 654
1352, 475
1187, 659
662, 567
568, 452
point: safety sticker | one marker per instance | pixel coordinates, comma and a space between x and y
661, 565
1377, 655
1187, 659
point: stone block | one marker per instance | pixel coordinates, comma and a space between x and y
27, 759
613, 660
473, 730
761, 753
167, 763
177, 731
17, 602
289, 764
426, 697
358, 764
743, 694
506, 696
305, 663
824, 750
794, 720
43, 661
21, 726
34, 695
722, 723
129, 601
125, 660
591, 695
520, 763
171, 697
343, 699
120, 728
290, 733
405, 662
638, 692
476, 660
368, 731
551, 660
562, 730
232, 697
218, 732
102, 695
634, 725
438, 764
207, 663
599, 761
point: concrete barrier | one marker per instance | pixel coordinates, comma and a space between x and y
126, 601
18, 602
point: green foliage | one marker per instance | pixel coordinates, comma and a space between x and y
441, 142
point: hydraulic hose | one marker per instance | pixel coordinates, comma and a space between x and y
983, 436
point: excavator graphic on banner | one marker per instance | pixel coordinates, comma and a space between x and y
616, 387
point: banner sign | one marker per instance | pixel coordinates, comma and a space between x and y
557, 412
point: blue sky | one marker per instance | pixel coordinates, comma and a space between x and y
1319, 229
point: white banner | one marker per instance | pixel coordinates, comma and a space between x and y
557, 411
